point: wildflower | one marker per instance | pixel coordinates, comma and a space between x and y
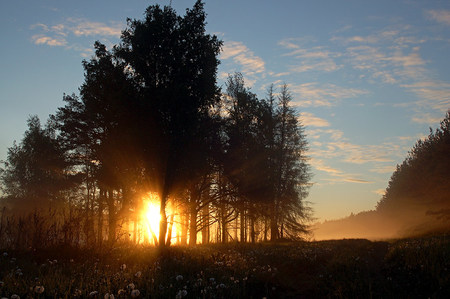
179, 278
131, 286
121, 292
138, 274
123, 267
15, 296
39, 289
5, 254
77, 293
109, 296
135, 293
93, 293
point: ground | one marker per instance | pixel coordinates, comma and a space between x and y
408, 268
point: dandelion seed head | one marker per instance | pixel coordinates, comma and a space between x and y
135, 293
39, 289
93, 293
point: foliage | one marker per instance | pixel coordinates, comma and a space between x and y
422, 181
36, 171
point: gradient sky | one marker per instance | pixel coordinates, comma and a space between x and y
368, 77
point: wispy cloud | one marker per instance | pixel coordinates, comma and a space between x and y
336, 175
40, 39
325, 95
68, 34
243, 56
440, 16
310, 120
316, 59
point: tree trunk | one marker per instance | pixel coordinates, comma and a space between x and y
273, 225
111, 218
184, 229
224, 224
205, 230
193, 222
163, 221
169, 232
242, 227
252, 229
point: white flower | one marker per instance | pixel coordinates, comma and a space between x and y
135, 293
123, 267
39, 289
131, 286
179, 277
93, 293
138, 274
15, 296
5, 254
109, 296
121, 292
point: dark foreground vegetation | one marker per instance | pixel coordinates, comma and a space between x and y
353, 268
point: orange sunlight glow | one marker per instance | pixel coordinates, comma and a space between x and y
151, 219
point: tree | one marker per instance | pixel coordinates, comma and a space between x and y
99, 131
36, 171
422, 181
175, 63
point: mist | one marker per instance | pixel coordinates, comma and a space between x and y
404, 220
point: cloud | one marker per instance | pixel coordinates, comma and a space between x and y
312, 59
380, 192
240, 54
337, 176
310, 120
440, 16
40, 39
326, 95
383, 169
82, 27
68, 34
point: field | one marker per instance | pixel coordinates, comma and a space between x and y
408, 268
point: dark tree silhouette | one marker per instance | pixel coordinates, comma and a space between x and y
36, 171
423, 179
175, 63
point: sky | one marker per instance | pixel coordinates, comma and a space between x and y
368, 78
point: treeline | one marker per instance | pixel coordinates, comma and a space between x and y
416, 201
151, 123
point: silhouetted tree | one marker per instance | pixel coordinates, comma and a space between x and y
423, 179
36, 171
175, 63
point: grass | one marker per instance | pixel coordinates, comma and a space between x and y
409, 268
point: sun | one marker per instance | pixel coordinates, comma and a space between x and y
152, 218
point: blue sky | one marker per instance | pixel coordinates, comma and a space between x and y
368, 77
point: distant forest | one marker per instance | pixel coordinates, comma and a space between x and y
416, 201
150, 125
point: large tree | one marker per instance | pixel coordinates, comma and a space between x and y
175, 63
36, 171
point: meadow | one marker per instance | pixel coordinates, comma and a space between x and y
352, 268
